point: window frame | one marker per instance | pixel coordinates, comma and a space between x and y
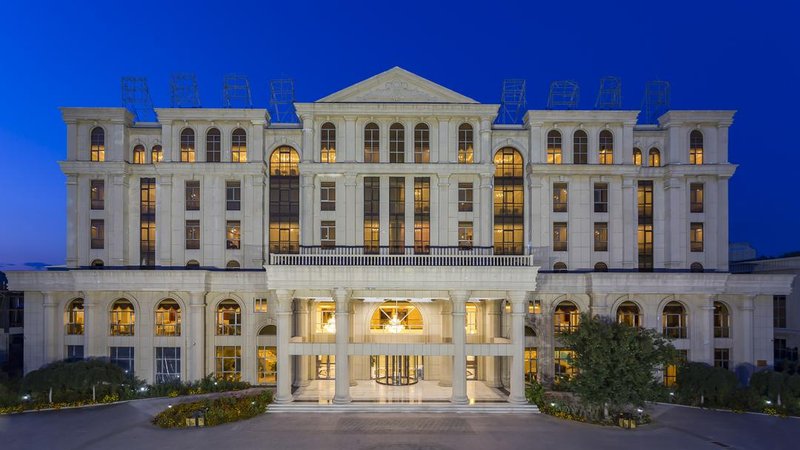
192, 234
213, 145
600, 196
560, 236
554, 147
580, 147
600, 236
560, 197
97, 195
188, 145
397, 143
466, 144
239, 146
327, 196
327, 143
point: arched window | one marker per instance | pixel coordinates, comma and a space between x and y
168, 318
239, 146
213, 145
98, 145
601, 267
328, 143
466, 153
637, 157
722, 321
229, 318
566, 317
654, 158
156, 154
232, 264
397, 143
269, 330
628, 314
696, 147
606, 147
674, 320
396, 317
123, 318
187, 145
74, 317
580, 148
98, 263
696, 267
422, 144
192, 264
560, 267
284, 201
372, 138
508, 202
553, 147
139, 154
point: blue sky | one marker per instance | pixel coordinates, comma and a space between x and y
716, 54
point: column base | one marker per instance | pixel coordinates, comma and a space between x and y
459, 400
341, 400
517, 401
283, 400
445, 383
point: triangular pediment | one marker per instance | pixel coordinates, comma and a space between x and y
396, 85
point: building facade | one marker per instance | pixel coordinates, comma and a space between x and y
395, 235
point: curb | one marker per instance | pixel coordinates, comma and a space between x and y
724, 410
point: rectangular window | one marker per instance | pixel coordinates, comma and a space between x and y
233, 235
228, 361
168, 364
601, 236
74, 352
267, 365
327, 234
98, 194
465, 197
601, 197
644, 230
284, 214
696, 197
98, 234
328, 196
671, 371
123, 357
722, 358
564, 370
192, 234
372, 211
779, 311
559, 197
233, 195
559, 236
696, 236
397, 215
192, 195
16, 311
535, 307
531, 364
147, 222
422, 215
260, 305
465, 233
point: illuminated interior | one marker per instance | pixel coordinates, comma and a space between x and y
187, 145
465, 144
139, 154
628, 314
168, 318
508, 202
326, 317
654, 158
396, 317
696, 147
606, 148
239, 145
328, 143
674, 320
422, 215
284, 201
637, 157
97, 150
566, 317
122, 318
229, 318
396, 370
554, 147
74, 317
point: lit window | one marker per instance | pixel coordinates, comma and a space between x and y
328, 143
168, 318
580, 148
98, 194
139, 155
327, 196
156, 154
228, 362
671, 371
637, 157
531, 364
535, 307
233, 195
260, 305
187, 145
394, 317
97, 151
696, 236
74, 317
327, 234
553, 147
465, 144
229, 318
326, 317
192, 198
606, 147
722, 321
559, 197
471, 318
397, 143
601, 236
696, 147
422, 144
674, 321
559, 236
654, 158
213, 145
696, 197
628, 314
508, 202
233, 235
566, 318
239, 146
372, 137
284, 162
98, 234
563, 364
465, 233
123, 318
267, 364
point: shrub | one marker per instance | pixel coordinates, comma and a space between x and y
534, 392
704, 385
217, 411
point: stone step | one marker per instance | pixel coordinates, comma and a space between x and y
369, 407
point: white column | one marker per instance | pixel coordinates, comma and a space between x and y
72, 220
50, 327
301, 377
447, 337
517, 376
195, 355
492, 331
307, 152
704, 331
342, 298
459, 299
747, 330
284, 313
483, 154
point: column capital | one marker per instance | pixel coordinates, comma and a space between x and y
197, 298
49, 299
748, 303
517, 297
341, 296
283, 298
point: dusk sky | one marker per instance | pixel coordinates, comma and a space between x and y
739, 55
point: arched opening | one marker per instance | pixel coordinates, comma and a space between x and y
192, 264
396, 317
74, 317
268, 330
696, 147
229, 318
696, 267
187, 145
566, 317
606, 147
674, 320
465, 144
284, 201
139, 154
372, 139
722, 321
628, 314
637, 157
508, 202
156, 154
554, 155
422, 143
601, 267
654, 158
560, 267
239, 146
98, 263
232, 264
328, 143
213, 145
168, 318
580, 147
123, 318
267, 355
97, 149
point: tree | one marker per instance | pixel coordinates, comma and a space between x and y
616, 363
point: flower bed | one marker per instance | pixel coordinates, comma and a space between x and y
214, 411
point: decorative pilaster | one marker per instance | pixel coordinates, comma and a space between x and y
459, 300
197, 336
342, 298
486, 205
50, 326
301, 307
747, 329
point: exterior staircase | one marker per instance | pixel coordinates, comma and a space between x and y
427, 407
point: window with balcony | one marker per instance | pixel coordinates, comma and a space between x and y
508, 202
229, 318
74, 317
372, 207
566, 317
629, 314
422, 215
722, 321
122, 318
673, 320
284, 201
465, 233
168, 318
327, 234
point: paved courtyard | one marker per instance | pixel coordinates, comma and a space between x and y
127, 426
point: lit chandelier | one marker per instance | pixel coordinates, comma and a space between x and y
330, 325
395, 324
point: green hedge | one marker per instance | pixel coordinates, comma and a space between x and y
217, 411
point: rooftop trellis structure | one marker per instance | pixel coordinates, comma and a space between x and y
512, 101
236, 92
281, 99
184, 91
136, 98
564, 94
656, 100
610, 94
